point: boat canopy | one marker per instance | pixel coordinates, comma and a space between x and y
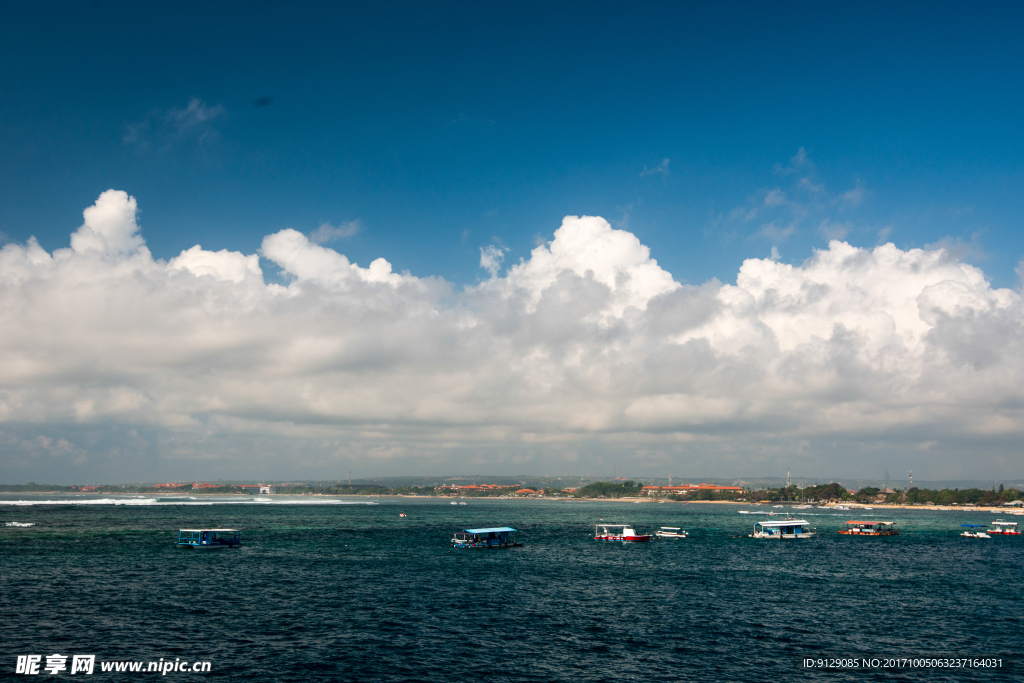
788, 522
199, 530
869, 523
495, 530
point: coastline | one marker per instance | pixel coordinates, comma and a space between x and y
1013, 511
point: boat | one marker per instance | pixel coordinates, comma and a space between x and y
785, 529
670, 532
209, 539
608, 532
402, 514
463, 503
974, 534
1001, 528
867, 508
491, 538
802, 507
840, 507
855, 528
746, 512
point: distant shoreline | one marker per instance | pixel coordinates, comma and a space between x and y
852, 506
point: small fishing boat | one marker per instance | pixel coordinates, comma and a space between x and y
497, 537
1001, 528
785, 529
402, 514
670, 532
619, 532
463, 503
209, 539
974, 534
855, 528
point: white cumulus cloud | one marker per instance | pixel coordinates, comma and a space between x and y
585, 352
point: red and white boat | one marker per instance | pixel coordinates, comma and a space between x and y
1001, 528
618, 532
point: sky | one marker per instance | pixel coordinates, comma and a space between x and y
250, 241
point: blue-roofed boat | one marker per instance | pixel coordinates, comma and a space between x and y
974, 534
496, 537
786, 529
209, 539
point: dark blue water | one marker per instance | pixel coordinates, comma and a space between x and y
356, 593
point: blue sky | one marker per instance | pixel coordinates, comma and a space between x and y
729, 143
443, 128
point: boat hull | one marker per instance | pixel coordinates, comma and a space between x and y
623, 539
484, 546
847, 532
788, 537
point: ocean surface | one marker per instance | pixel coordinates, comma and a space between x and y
338, 590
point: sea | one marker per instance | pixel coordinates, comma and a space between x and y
346, 589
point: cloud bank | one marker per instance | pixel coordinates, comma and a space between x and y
584, 355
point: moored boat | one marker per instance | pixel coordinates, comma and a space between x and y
490, 538
670, 532
785, 529
209, 539
974, 534
854, 528
619, 532
1001, 528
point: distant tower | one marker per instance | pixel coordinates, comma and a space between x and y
670, 480
910, 476
350, 478
789, 479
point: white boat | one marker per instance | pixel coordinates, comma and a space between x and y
974, 534
785, 529
746, 512
453, 503
1001, 528
670, 532
802, 507
619, 532
463, 503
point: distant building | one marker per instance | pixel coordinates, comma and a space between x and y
689, 488
257, 488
